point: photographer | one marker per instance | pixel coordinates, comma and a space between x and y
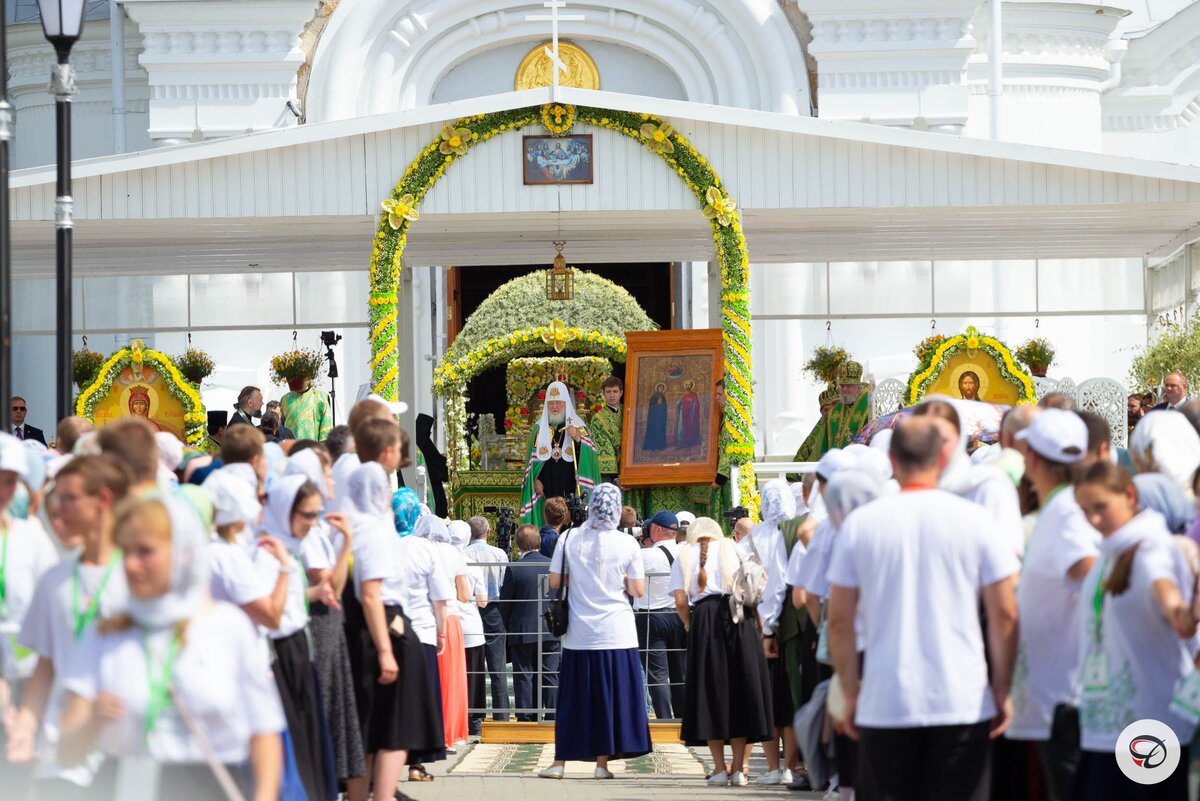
558, 519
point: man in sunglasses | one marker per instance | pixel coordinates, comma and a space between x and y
19, 429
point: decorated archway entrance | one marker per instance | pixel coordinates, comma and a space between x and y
400, 210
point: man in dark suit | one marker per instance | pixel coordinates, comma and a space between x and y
19, 430
525, 582
1174, 392
248, 408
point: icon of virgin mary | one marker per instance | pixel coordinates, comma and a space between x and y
139, 405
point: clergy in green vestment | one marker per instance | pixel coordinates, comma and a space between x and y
606, 429
807, 452
848, 415
307, 413
562, 456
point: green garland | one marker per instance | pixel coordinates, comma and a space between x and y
928, 372
194, 415
455, 141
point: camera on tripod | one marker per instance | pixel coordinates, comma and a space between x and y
330, 338
506, 525
577, 508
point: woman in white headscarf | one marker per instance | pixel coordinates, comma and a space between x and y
452, 660
183, 679
601, 711
472, 624
728, 696
1165, 442
766, 541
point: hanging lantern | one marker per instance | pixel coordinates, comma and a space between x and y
560, 279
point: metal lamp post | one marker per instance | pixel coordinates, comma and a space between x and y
62, 23
6, 135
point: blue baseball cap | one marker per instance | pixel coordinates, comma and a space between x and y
664, 519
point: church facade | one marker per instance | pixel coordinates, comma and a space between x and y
236, 159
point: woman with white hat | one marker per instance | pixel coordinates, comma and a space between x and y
728, 692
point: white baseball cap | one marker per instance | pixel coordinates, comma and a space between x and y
395, 407
685, 518
1057, 435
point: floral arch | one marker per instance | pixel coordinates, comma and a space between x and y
400, 210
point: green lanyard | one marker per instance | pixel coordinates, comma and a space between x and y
88, 614
304, 583
4, 573
1098, 601
160, 685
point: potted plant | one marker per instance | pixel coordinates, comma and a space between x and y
823, 363
296, 368
85, 366
195, 365
927, 347
1037, 354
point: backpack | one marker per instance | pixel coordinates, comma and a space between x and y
749, 583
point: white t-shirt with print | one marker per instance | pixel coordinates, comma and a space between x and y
918, 561
221, 672
30, 553
1145, 657
1048, 660
49, 631
597, 565
722, 556
421, 579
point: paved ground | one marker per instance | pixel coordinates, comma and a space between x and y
504, 772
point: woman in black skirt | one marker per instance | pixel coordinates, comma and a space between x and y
728, 692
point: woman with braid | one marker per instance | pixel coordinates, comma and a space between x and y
728, 693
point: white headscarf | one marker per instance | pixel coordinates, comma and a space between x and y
277, 518
170, 454
777, 502
849, 490
460, 533
230, 499
432, 528
543, 448
797, 489
369, 493
604, 515
189, 572
1165, 442
306, 463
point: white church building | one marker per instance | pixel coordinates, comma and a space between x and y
233, 155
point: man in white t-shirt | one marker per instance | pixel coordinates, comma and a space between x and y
915, 564
662, 639
1057, 559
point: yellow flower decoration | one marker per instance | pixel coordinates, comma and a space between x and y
454, 140
400, 210
559, 335
720, 206
972, 343
658, 138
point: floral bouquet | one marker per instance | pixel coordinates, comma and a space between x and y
823, 364
85, 366
296, 367
927, 347
1038, 354
195, 365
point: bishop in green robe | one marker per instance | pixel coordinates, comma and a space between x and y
562, 456
848, 415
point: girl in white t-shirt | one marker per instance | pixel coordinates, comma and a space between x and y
601, 695
182, 679
472, 624
727, 695
1137, 634
452, 660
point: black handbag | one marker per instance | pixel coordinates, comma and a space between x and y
556, 612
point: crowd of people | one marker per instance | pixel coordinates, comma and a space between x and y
909, 620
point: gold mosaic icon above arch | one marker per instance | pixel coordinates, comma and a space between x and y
535, 71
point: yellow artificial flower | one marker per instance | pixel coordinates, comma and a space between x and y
972, 343
658, 138
454, 140
400, 210
720, 207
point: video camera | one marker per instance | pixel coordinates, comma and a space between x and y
735, 514
577, 508
506, 525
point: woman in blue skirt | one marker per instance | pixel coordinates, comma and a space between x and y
601, 712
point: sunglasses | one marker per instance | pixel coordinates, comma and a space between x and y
309, 516
18, 408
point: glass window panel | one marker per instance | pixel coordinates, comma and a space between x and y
332, 297
880, 287
33, 377
1167, 284
242, 298
984, 287
34, 306
136, 301
1089, 284
787, 288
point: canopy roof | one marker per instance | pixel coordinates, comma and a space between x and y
305, 198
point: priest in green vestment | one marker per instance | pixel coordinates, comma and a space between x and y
307, 413
807, 451
562, 456
606, 429
848, 415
